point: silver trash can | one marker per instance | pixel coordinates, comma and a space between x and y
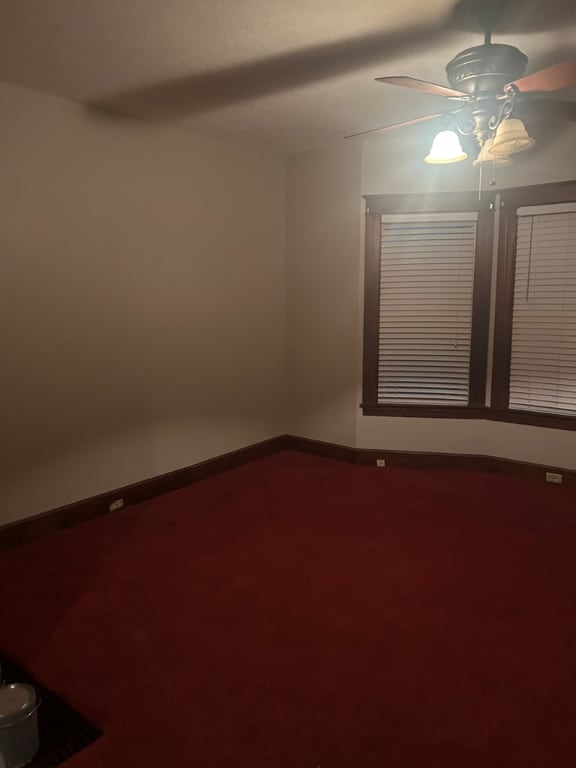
18, 725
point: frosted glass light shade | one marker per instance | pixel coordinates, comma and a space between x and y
511, 137
446, 148
486, 157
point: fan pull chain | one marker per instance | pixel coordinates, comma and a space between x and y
480, 181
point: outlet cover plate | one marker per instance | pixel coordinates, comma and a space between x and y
554, 477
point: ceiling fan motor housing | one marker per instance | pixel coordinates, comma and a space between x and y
486, 68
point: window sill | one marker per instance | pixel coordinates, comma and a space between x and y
468, 412
425, 411
531, 418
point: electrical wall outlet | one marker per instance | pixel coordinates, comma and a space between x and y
116, 504
554, 477
380, 462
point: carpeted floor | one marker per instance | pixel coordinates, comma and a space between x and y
298, 612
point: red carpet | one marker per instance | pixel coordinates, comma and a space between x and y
298, 612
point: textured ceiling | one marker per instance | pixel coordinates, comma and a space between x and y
287, 74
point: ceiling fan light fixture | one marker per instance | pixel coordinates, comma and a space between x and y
511, 137
487, 157
446, 148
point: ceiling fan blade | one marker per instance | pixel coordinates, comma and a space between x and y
391, 126
551, 79
421, 85
546, 109
512, 17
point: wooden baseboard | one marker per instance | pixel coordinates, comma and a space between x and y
320, 448
30, 528
22, 531
368, 457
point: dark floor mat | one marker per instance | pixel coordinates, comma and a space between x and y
63, 732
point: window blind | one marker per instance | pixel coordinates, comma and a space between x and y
543, 354
425, 321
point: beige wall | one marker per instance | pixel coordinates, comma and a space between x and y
392, 165
143, 302
323, 202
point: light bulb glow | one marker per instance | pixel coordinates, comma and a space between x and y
446, 148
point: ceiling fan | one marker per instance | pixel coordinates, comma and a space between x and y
492, 94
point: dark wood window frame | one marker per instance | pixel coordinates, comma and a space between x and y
451, 202
511, 200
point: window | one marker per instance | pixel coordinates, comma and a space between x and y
427, 298
428, 303
535, 364
426, 281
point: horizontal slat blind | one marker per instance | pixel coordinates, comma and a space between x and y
543, 357
426, 282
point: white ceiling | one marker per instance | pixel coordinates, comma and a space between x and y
287, 74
